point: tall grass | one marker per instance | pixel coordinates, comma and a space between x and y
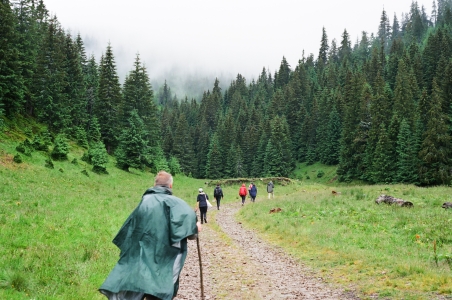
56, 227
378, 249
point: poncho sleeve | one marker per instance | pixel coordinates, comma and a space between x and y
182, 222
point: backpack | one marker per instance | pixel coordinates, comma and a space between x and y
217, 192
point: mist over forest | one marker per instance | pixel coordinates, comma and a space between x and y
379, 108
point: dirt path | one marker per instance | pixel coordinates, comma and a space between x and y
239, 265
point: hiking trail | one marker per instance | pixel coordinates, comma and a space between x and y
237, 264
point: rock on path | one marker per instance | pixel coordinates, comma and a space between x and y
239, 265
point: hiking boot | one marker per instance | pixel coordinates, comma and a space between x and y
205, 220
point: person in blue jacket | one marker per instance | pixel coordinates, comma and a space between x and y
253, 192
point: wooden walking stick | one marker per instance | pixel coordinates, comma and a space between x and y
200, 267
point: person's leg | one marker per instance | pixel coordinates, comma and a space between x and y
269, 194
243, 200
218, 203
203, 214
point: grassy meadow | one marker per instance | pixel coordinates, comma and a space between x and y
389, 251
57, 225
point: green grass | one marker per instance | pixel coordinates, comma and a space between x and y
382, 250
57, 225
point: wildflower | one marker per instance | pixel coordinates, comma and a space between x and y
418, 236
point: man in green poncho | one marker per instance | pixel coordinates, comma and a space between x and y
153, 244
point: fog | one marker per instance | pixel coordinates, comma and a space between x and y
178, 39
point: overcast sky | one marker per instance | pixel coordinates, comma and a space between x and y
219, 37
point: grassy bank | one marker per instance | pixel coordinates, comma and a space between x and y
393, 252
57, 224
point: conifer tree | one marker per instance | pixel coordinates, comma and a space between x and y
11, 81
407, 166
75, 87
333, 138
132, 150
435, 150
382, 166
214, 159
323, 51
50, 80
183, 146
108, 107
278, 156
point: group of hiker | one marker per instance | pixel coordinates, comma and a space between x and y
153, 241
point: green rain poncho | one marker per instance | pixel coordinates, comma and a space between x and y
153, 244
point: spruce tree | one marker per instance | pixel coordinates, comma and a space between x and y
132, 150
107, 109
435, 149
214, 160
11, 82
382, 166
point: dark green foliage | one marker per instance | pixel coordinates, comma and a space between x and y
74, 162
133, 150
380, 109
320, 174
214, 160
17, 158
107, 108
60, 148
174, 166
25, 148
11, 81
84, 172
49, 163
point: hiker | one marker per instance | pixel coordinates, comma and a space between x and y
249, 189
202, 204
270, 187
218, 195
253, 192
153, 244
242, 193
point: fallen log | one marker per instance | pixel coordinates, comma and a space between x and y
392, 200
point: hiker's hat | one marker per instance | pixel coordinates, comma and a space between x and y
200, 190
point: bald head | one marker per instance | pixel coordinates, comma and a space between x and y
163, 179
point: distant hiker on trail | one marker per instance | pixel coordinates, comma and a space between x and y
253, 192
242, 193
153, 244
249, 188
202, 204
218, 195
270, 187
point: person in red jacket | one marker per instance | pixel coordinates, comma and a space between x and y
242, 193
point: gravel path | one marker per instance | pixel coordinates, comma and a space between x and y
239, 265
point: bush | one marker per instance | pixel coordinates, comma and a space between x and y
39, 143
17, 158
49, 163
25, 148
320, 174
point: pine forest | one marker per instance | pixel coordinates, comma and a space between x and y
379, 108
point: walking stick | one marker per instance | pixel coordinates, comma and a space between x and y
200, 267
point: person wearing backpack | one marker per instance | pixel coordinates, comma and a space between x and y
242, 193
202, 205
253, 192
218, 195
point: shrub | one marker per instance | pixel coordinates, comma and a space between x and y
60, 149
320, 174
49, 163
25, 148
17, 158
